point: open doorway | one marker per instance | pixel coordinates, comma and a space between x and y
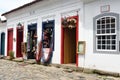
69, 45
32, 41
69, 39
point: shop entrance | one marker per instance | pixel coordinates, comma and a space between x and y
32, 41
69, 40
19, 41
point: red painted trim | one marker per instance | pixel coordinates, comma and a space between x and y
62, 43
16, 40
10, 29
77, 37
62, 40
22, 28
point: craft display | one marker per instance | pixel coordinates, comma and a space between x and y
32, 41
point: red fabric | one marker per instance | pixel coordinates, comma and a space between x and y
39, 54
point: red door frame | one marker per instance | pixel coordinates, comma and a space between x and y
17, 29
11, 29
62, 40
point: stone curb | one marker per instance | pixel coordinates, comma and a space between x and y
100, 72
86, 70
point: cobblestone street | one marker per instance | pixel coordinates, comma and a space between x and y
10, 70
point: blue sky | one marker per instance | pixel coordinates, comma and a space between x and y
7, 5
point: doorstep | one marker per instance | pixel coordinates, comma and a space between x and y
30, 61
20, 59
1, 56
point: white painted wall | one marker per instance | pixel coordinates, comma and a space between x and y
102, 61
41, 12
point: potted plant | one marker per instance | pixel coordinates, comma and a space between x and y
11, 54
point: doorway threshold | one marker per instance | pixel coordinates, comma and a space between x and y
70, 64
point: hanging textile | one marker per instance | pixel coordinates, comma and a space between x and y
47, 52
47, 42
39, 54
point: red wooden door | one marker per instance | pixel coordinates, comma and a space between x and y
10, 41
19, 40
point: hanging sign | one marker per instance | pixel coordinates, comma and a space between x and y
81, 47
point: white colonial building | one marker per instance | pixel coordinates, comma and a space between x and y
83, 32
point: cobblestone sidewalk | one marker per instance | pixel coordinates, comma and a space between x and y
10, 70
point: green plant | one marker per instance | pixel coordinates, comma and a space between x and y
11, 54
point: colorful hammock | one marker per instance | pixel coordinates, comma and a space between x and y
41, 55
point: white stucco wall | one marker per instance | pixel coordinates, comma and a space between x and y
102, 61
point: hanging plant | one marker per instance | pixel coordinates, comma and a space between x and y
69, 22
65, 22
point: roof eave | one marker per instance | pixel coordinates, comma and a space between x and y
88, 1
21, 7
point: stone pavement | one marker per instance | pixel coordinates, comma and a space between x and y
10, 70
